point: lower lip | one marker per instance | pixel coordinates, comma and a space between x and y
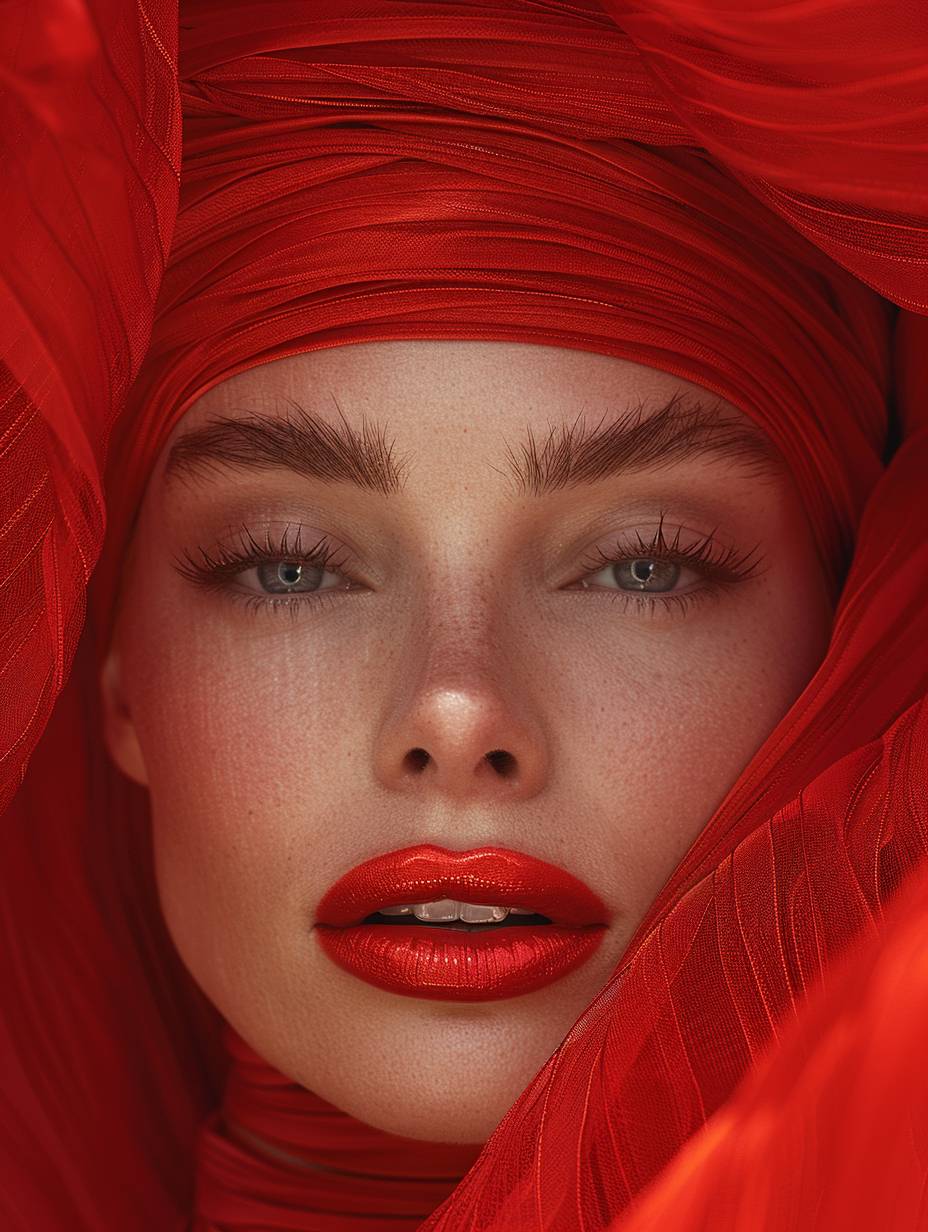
445, 964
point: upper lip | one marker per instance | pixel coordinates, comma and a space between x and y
494, 876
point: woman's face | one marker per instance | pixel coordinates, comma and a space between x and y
292, 723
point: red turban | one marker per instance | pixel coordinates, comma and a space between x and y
398, 191
736, 198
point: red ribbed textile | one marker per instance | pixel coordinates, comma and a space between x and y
831, 1131
374, 1173
736, 196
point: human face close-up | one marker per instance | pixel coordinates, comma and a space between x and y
292, 723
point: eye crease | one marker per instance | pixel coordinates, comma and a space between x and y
644, 562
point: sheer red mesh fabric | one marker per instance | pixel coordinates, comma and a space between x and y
593, 128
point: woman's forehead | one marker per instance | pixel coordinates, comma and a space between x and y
443, 373
365, 413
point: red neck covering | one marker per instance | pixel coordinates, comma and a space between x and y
363, 1174
548, 183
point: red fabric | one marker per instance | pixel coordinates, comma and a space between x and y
649, 253
832, 1130
377, 1174
735, 196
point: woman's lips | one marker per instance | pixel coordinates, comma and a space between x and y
502, 960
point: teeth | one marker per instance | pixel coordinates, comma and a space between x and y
482, 915
436, 913
447, 910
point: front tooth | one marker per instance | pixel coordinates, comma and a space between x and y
471, 913
436, 913
448, 910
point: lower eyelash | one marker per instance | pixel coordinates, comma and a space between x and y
652, 602
278, 603
721, 567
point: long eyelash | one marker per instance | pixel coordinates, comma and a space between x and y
721, 566
213, 572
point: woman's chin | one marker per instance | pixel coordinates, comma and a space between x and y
440, 1080
443, 1117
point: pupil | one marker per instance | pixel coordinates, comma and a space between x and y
289, 573
651, 575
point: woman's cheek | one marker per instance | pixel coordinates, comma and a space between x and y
670, 738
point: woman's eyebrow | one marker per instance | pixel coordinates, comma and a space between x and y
683, 428
302, 442
571, 455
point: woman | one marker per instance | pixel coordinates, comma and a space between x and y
276, 622
497, 248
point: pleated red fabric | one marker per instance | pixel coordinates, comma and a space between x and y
738, 197
831, 1131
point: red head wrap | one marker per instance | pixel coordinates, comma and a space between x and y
393, 190
652, 184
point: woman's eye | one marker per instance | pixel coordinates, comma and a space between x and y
288, 577
647, 577
266, 575
643, 573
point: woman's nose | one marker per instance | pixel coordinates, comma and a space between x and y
469, 741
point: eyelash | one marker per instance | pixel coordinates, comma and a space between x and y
722, 567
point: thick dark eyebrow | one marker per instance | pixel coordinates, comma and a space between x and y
571, 455
301, 442
682, 429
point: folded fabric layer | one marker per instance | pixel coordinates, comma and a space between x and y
831, 1131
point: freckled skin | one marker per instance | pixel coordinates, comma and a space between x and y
274, 749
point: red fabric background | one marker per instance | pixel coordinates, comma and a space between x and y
112, 1059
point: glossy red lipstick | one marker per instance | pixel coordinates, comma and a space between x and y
448, 964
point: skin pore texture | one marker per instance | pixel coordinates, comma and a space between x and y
282, 745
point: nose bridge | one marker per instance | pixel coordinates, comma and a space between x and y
463, 623
463, 626
461, 689
463, 720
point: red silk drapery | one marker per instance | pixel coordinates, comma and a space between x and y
818, 831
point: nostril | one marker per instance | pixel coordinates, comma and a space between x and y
502, 761
417, 759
